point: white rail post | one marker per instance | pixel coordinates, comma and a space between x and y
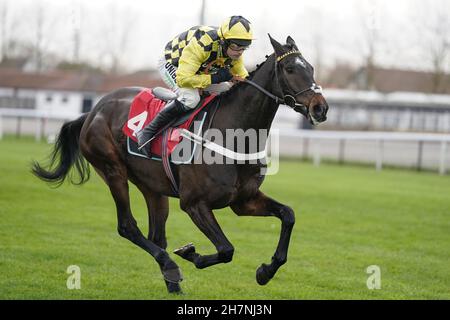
19, 127
379, 155
442, 158
341, 151
44, 127
37, 136
419, 155
316, 160
1, 126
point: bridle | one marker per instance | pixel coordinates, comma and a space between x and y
288, 99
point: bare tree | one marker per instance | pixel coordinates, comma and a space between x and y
430, 26
317, 38
38, 44
11, 44
3, 26
42, 36
115, 36
7, 24
434, 31
77, 14
369, 17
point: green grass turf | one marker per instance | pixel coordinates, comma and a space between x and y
347, 218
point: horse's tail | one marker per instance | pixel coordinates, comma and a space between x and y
65, 154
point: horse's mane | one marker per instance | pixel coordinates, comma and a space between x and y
258, 66
250, 77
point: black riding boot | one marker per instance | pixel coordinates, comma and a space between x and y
171, 111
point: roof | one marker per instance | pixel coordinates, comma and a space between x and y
387, 80
13, 63
74, 81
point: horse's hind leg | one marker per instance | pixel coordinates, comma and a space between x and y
261, 205
204, 219
127, 228
158, 211
103, 155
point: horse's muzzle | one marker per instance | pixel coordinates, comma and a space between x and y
319, 112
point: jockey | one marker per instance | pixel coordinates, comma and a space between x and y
200, 58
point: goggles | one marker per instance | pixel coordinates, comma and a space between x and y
235, 47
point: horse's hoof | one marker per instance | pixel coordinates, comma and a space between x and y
173, 275
185, 250
263, 274
173, 287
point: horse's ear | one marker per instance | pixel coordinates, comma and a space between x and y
279, 49
291, 42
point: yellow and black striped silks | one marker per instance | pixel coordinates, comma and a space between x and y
193, 51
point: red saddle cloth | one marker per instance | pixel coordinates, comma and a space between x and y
144, 108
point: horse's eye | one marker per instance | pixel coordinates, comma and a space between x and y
289, 69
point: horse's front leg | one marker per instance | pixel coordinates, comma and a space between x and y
204, 219
261, 205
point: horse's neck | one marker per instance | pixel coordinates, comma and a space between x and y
249, 108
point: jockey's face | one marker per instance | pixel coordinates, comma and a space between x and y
234, 51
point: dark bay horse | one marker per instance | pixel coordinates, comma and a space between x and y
97, 137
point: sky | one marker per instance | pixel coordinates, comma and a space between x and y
326, 31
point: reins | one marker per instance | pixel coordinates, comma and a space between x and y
287, 99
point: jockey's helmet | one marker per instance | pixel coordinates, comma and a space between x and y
238, 30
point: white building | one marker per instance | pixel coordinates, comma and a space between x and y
62, 94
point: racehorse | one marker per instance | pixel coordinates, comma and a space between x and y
285, 77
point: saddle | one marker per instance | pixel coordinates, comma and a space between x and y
145, 106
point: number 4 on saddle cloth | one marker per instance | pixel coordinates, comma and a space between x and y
144, 108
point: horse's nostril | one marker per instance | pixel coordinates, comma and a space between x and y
318, 109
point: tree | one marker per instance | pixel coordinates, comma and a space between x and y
77, 33
369, 16
3, 32
8, 23
115, 35
433, 37
42, 26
